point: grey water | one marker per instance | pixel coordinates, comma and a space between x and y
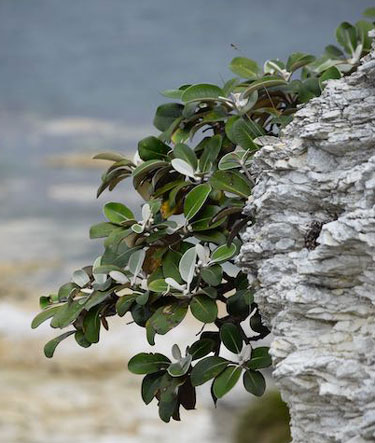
86, 75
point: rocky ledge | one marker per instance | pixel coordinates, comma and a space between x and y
311, 257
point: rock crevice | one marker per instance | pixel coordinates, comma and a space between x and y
311, 257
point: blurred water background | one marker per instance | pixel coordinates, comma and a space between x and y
78, 77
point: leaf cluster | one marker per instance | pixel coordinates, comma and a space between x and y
180, 257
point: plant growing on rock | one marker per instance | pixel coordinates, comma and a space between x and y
195, 179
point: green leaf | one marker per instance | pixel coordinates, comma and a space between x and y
207, 369
173, 198
226, 381
141, 315
66, 290
216, 237
102, 230
166, 114
67, 314
241, 282
346, 35
201, 348
363, 28
112, 179
136, 261
322, 64
210, 291
44, 315
145, 168
124, 304
244, 67
212, 275
91, 325
195, 199
244, 132
204, 308
252, 100
298, 60
183, 167
310, 89
151, 148
254, 382
267, 81
333, 51
158, 285
118, 255
180, 368
138, 229
229, 127
185, 153
181, 134
230, 161
167, 317
231, 337
168, 404
238, 304
260, 358
231, 181
111, 156
203, 221
201, 92
329, 74
189, 110
170, 134
150, 334
45, 301
80, 278
115, 240
247, 295
175, 93
223, 253
142, 299
49, 348
81, 340
256, 323
144, 363
274, 66
96, 298
150, 386
169, 186
167, 409
172, 93
176, 352
117, 212
230, 85
170, 265
210, 153
187, 265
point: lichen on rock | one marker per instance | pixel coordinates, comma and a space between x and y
318, 296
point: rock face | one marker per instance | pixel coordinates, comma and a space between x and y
311, 256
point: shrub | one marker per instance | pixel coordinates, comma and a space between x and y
195, 179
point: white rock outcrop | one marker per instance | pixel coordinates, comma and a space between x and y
311, 256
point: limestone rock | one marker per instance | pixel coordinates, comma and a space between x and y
311, 256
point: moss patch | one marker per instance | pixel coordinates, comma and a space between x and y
265, 421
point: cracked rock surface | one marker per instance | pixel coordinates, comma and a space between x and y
311, 257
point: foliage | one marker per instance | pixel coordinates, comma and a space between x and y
181, 255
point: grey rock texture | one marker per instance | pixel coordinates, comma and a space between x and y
316, 188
